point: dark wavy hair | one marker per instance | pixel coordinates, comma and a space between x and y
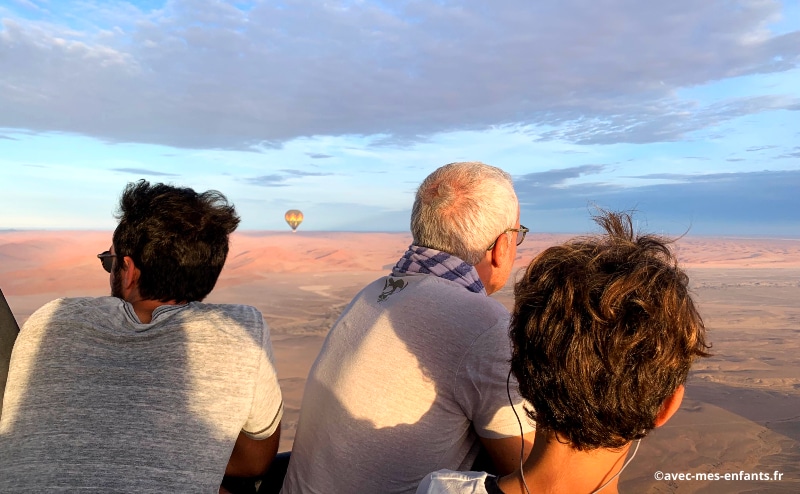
178, 238
604, 330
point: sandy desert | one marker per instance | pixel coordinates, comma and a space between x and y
742, 406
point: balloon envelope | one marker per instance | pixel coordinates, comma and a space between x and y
293, 217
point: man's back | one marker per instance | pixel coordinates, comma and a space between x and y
97, 400
413, 369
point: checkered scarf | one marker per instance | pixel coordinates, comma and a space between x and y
431, 261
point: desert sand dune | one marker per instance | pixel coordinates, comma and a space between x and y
742, 407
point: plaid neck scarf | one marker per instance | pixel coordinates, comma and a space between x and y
431, 261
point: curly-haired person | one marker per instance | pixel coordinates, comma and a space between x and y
604, 331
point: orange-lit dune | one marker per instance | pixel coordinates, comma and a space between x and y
742, 410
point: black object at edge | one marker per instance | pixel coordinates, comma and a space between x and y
270, 483
8, 334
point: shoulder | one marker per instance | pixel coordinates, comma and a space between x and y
67, 317
452, 482
221, 316
63, 307
483, 318
448, 294
239, 312
458, 295
430, 305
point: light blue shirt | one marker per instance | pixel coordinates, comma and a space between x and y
450, 482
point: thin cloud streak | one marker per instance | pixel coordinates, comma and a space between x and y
549, 178
302, 173
268, 181
143, 171
280, 179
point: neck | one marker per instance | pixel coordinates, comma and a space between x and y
551, 467
144, 308
484, 270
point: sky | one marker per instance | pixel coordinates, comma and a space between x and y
686, 112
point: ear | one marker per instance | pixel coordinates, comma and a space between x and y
670, 406
130, 273
500, 249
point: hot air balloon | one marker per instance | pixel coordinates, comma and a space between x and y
294, 217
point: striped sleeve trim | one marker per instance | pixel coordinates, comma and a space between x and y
271, 425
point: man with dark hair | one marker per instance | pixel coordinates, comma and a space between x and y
604, 331
413, 375
148, 390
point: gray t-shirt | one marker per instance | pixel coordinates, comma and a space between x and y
98, 401
410, 375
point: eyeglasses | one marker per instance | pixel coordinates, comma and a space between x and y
106, 259
520, 238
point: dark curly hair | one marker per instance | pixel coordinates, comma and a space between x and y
604, 330
178, 238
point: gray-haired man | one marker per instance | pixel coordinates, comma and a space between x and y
413, 375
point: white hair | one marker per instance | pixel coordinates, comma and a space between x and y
461, 208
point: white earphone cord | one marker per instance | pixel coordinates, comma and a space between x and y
638, 442
521, 434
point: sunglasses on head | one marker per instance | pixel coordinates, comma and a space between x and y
107, 260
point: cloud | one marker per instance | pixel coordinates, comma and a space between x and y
398, 141
301, 173
719, 203
7, 138
279, 179
318, 156
696, 178
29, 5
208, 74
665, 120
556, 177
268, 180
759, 148
143, 171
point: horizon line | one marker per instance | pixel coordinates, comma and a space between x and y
732, 236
